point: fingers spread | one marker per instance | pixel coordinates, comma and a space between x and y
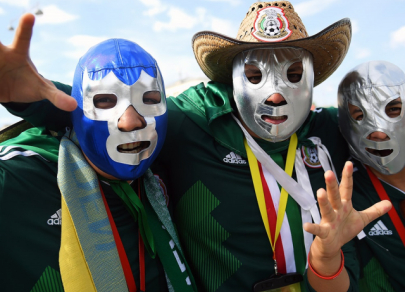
332, 190
375, 211
327, 212
346, 185
22, 38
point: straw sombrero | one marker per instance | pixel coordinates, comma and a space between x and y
271, 25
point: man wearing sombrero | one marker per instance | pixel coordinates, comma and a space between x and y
244, 157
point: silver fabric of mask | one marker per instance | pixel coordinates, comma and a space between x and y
371, 86
126, 96
250, 98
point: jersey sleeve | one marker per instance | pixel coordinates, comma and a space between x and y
43, 113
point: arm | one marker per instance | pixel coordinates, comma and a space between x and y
43, 113
340, 223
19, 79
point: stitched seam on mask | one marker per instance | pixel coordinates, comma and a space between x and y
372, 86
117, 67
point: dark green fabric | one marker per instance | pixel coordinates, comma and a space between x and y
14, 130
37, 140
209, 107
382, 256
135, 207
50, 281
214, 202
43, 113
29, 199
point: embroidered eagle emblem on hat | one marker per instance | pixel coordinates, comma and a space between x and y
271, 25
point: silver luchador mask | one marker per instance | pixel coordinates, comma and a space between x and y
251, 98
376, 88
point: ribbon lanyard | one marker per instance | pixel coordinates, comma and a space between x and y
383, 196
260, 194
121, 251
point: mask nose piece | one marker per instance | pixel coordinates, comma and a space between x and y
276, 99
378, 136
131, 120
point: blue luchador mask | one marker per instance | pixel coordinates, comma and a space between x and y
111, 78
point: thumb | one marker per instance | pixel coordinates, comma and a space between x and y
58, 98
375, 211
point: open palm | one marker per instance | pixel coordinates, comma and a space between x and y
19, 79
340, 222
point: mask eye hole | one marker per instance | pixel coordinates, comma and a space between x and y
294, 72
393, 109
253, 74
355, 112
151, 97
105, 100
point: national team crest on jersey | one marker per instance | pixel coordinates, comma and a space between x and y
271, 25
310, 157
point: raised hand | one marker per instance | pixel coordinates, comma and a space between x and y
19, 79
339, 224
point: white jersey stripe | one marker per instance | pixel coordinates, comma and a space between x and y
6, 149
285, 232
22, 153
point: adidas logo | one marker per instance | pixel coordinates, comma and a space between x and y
379, 229
234, 159
56, 219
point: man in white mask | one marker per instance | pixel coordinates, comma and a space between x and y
371, 119
244, 156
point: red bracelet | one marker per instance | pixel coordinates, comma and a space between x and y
329, 277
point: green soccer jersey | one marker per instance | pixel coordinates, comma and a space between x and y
30, 224
381, 252
204, 167
204, 170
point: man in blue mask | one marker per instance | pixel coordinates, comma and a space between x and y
116, 233
227, 201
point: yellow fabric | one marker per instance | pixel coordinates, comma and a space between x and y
257, 183
88, 254
254, 169
73, 267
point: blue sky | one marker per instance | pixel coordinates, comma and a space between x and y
165, 28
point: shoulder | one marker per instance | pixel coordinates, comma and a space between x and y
323, 123
329, 114
18, 159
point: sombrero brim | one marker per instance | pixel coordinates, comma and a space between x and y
215, 52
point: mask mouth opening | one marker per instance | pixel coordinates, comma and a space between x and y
380, 153
133, 147
275, 120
